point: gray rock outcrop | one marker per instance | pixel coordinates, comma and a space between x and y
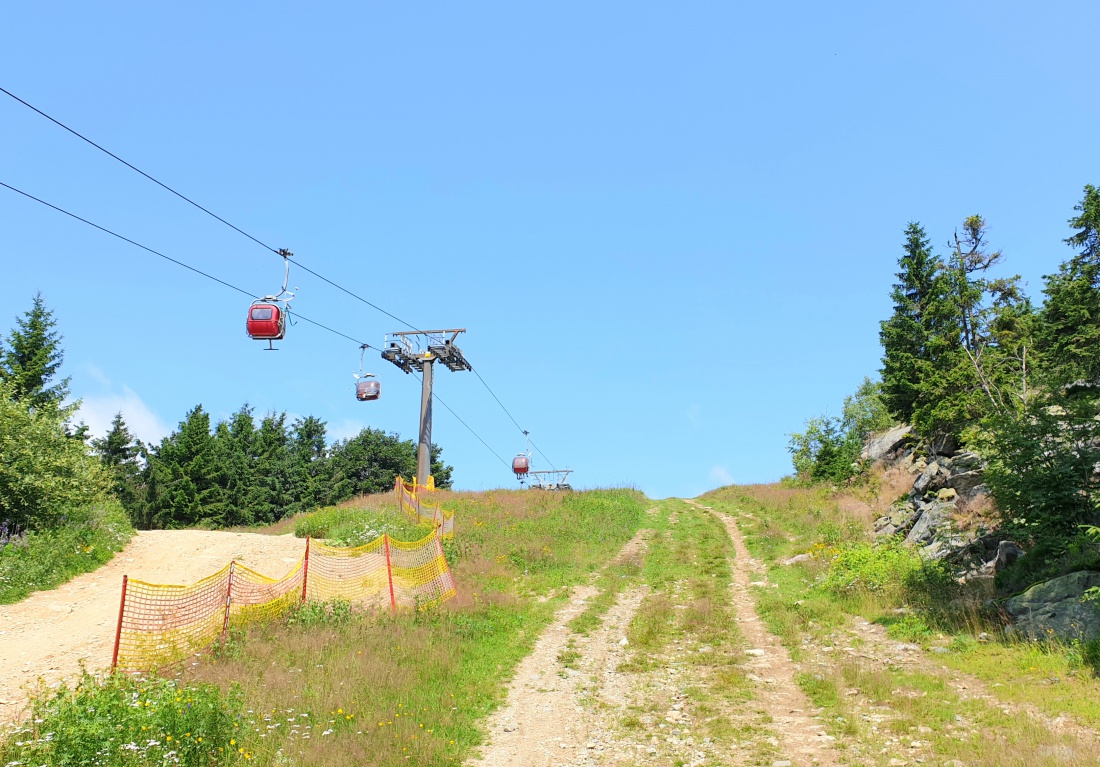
1055, 608
933, 517
883, 445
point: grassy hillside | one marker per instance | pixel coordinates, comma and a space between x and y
330, 685
816, 600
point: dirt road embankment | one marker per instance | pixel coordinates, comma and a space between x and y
50, 633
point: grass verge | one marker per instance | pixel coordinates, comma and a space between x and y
45, 559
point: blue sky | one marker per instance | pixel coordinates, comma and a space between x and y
670, 229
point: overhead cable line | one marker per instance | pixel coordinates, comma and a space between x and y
229, 285
254, 239
166, 257
134, 168
205, 210
522, 430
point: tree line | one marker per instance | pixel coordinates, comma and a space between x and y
245, 470
969, 360
249, 470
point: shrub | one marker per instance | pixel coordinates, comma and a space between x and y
863, 568
45, 471
44, 559
123, 720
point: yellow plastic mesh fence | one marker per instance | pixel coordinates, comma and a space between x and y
408, 497
159, 624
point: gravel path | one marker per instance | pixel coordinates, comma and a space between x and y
802, 738
47, 635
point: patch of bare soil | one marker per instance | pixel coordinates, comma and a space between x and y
50, 633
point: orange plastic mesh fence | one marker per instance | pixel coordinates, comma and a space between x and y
408, 497
421, 577
358, 574
164, 624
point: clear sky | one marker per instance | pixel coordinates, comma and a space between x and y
670, 228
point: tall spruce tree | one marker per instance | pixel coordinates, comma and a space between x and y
1069, 334
187, 472
32, 357
122, 454
271, 491
235, 449
907, 337
310, 459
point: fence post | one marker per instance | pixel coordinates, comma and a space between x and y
228, 598
305, 571
118, 630
389, 572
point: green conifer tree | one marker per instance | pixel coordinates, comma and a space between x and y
122, 455
271, 491
1069, 334
32, 357
907, 336
311, 464
188, 491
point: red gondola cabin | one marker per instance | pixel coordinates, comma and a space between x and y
266, 322
521, 464
368, 389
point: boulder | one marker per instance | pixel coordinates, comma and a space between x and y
1007, 553
933, 517
881, 445
967, 461
946, 446
1054, 609
899, 519
968, 483
933, 478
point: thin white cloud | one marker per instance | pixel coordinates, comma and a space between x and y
694, 414
721, 475
343, 430
99, 410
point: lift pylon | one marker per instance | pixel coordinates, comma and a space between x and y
419, 350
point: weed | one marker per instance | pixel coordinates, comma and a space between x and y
44, 559
335, 612
123, 720
907, 627
354, 526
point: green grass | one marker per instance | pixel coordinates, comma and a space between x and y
45, 559
354, 526
846, 576
412, 688
121, 721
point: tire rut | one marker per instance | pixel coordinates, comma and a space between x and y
802, 738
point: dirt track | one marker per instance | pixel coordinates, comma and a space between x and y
48, 634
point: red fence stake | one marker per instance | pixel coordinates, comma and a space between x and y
389, 573
228, 598
305, 570
118, 630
